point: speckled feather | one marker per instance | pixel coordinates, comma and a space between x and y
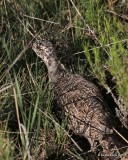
84, 107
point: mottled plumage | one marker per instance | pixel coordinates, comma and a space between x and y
79, 100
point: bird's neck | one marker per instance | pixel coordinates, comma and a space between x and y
54, 69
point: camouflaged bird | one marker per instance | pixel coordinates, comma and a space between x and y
80, 101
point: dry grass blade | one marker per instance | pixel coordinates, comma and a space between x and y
40, 19
125, 17
17, 111
27, 147
2, 89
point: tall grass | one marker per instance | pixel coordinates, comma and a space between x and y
89, 38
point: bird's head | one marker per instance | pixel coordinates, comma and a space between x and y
44, 49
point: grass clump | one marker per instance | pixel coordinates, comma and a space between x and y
90, 37
111, 54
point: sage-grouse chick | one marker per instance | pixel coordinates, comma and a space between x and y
80, 101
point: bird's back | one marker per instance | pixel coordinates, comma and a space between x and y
83, 105
87, 114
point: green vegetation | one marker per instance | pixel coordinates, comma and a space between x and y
90, 37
